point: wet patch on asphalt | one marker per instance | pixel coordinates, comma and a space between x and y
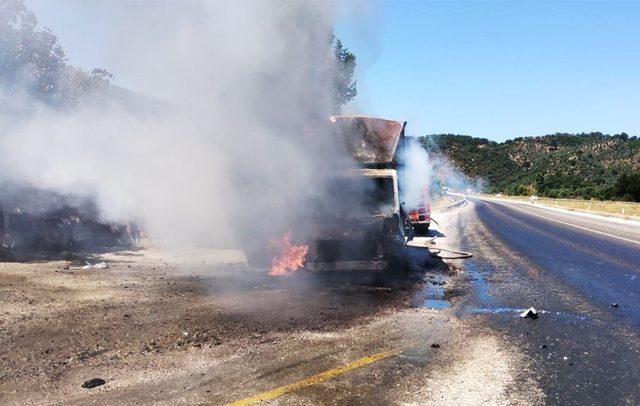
434, 295
484, 303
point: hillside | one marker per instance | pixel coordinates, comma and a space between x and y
590, 165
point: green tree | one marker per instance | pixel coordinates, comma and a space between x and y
344, 87
627, 187
33, 64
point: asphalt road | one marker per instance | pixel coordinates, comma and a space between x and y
582, 272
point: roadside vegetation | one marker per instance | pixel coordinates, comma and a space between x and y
614, 208
585, 166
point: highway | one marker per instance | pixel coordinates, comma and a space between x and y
582, 272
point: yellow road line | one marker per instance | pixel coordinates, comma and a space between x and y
312, 380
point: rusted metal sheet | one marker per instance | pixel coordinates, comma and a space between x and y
372, 141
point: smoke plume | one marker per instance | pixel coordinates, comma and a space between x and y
424, 174
231, 140
415, 173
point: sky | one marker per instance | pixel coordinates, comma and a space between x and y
493, 69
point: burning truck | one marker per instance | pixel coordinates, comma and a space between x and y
360, 223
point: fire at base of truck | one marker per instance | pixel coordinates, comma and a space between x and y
360, 223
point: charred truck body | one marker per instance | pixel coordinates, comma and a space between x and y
359, 223
368, 228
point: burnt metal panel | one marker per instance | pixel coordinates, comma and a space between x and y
372, 141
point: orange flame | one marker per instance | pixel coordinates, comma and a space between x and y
290, 257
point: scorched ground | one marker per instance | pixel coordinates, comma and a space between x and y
212, 330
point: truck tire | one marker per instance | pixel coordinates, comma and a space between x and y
54, 238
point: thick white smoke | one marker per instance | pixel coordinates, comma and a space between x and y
424, 175
416, 174
237, 138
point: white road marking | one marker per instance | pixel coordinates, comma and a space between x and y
580, 227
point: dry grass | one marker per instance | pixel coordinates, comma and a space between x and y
617, 209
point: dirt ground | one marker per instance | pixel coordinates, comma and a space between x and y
150, 318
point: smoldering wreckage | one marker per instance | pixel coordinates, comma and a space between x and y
141, 321
37, 222
365, 228
366, 225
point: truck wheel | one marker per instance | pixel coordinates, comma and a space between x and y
54, 238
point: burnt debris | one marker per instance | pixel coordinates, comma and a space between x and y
92, 383
33, 220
